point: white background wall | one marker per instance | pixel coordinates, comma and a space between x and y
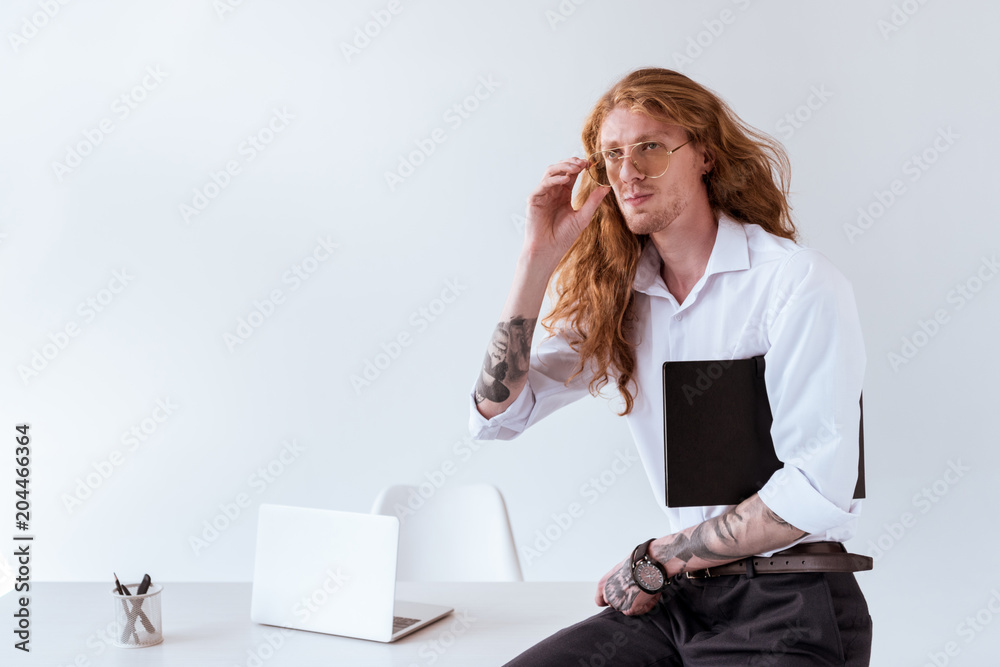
894, 78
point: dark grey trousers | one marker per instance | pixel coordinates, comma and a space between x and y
789, 620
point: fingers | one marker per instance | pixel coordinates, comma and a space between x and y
561, 173
644, 604
571, 167
599, 597
593, 201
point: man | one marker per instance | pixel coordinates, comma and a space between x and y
681, 248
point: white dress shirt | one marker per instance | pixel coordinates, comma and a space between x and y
760, 294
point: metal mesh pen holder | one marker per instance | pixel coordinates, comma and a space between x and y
138, 622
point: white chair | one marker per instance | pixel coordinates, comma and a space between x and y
455, 533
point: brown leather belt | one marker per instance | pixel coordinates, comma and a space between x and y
807, 557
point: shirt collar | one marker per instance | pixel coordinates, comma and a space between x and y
729, 253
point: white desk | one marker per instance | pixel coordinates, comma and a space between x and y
209, 624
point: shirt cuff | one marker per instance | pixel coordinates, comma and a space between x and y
513, 420
790, 495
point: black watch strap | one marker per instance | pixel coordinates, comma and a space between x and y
641, 551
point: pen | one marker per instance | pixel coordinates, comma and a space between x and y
143, 587
129, 628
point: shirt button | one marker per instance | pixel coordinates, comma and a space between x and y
679, 316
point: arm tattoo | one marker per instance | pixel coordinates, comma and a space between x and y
742, 531
724, 538
769, 513
507, 359
685, 548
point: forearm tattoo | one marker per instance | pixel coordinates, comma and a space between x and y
507, 359
742, 531
728, 536
778, 520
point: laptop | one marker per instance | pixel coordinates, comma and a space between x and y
332, 572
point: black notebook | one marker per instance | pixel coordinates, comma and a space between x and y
717, 432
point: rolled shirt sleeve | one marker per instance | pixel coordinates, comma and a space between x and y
814, 370
552, 362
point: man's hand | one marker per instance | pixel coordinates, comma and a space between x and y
552, 225
617, 589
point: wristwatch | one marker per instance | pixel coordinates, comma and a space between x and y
647, 573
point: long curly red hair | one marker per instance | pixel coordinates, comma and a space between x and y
592, 292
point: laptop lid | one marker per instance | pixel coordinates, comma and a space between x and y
325, 571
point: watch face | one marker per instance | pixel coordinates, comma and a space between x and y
648, 576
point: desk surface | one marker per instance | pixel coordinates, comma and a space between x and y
208, 624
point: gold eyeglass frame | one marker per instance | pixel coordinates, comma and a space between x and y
593, 163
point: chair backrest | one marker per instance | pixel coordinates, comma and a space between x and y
455, 533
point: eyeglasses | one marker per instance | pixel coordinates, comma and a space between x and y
650, 158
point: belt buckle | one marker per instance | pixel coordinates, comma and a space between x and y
699, 574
